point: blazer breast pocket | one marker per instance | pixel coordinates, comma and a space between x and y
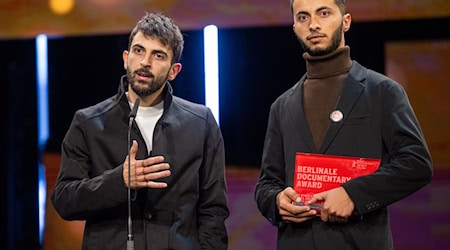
357, 120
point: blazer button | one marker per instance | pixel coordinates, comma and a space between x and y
148, 216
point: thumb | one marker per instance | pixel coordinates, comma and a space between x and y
292, 195
133, 149
128, 162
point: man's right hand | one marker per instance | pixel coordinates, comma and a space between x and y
290, 212
144, 173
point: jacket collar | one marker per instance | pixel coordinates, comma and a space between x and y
352, 89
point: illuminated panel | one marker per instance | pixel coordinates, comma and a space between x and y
43, 122
210, 38
422, 68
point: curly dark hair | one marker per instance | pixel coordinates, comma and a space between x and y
163, 28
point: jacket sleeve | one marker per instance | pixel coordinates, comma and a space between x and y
77, 194
272, 174
406, 162
212, 207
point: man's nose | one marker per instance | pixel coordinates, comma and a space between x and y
146, 61
314, 25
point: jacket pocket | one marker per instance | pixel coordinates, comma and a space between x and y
357, 120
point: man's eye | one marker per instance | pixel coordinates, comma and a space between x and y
302, 18
325, 13
138, 50
160, 56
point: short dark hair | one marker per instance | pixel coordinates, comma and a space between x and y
340, 3
163, 28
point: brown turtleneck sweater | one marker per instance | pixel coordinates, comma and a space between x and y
325, 76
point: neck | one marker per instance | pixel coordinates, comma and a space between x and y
335, 63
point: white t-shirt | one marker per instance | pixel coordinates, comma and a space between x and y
146, 119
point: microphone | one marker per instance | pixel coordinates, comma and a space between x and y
132, 116
135, 109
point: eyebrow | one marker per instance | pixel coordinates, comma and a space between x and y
317, 10
137, 45
156, 51
323, 8
302, 13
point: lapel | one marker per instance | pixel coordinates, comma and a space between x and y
297, 115
352, 89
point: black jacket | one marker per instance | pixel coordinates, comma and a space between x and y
378, 123
188, 214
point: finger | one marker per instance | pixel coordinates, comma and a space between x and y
155, 184
153, 160
291, 194
148, 180
156, 168
297, 211
324, 215
308, 212
157, 175
316, 198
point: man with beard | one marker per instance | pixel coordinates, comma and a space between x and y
175, 178
338, 108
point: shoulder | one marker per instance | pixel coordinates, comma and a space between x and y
188, 108
97, 110
373, 79
294, 93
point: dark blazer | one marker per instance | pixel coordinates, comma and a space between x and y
378, 122
189, 214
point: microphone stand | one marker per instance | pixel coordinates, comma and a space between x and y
130, 238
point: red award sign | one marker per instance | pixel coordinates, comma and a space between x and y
315, 173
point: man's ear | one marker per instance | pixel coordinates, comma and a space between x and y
347, 21
176, 68
124, 57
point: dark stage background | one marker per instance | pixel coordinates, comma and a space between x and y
256, 65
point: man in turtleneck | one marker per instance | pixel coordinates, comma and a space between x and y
325, 76
339, 108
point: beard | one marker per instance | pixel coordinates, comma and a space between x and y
145, 88
335, 41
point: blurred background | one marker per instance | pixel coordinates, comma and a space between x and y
61, 55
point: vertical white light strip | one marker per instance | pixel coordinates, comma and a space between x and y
42, 89
43, 122
210, 40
